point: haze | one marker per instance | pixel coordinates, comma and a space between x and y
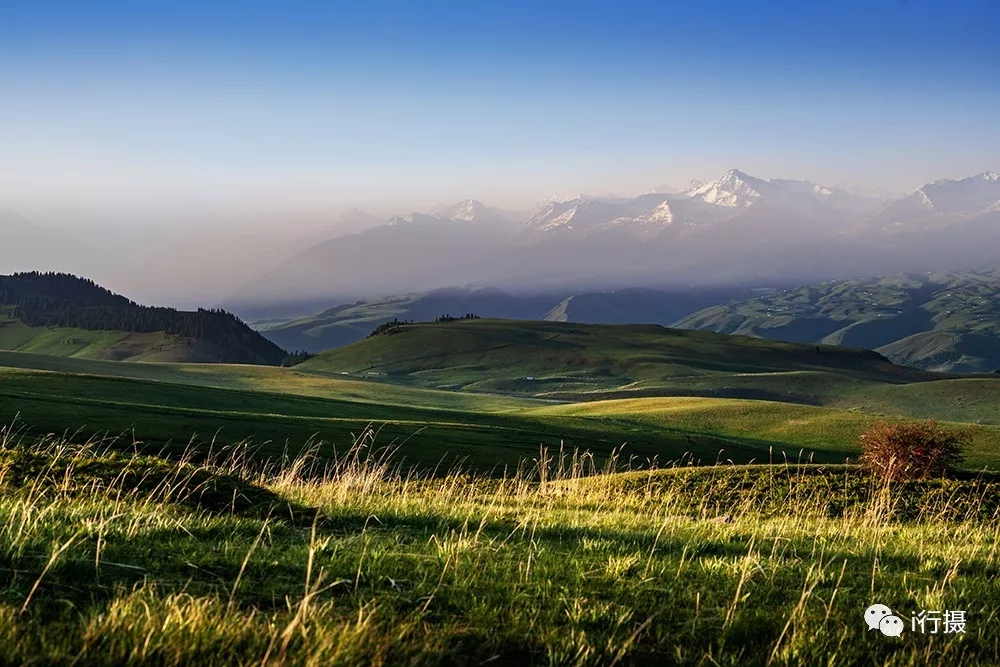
195, 148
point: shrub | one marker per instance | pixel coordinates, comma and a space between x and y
388, 327
912, 451
295, 358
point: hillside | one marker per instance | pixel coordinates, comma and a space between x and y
934, 321
62, 315
556, 358
352, 322
349, 323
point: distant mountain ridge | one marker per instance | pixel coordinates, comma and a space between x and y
944, 200
352, 322
941, 321
34, 306
736, 229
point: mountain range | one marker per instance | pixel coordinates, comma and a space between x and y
736, 230
351, 322
940, 321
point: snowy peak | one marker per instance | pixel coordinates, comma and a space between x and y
475, 211
467, 210
964, 195
734, 190
943, 200
697, 208
586, 215
414, 218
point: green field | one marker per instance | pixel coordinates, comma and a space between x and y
83, 344
417, 499
491, 393
163, 414
117, 559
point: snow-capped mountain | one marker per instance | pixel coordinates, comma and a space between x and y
734, 190
739, 190
472, 210
699, 207
588, 215
942, 201
468, 211
734, 229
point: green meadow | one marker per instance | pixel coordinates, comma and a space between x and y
489, 493
112, 558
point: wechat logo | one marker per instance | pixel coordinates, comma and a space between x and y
879, 617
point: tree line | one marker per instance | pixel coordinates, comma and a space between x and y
395, 323
63, 300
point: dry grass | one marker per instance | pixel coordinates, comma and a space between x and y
112, 558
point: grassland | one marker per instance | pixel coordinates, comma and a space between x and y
513, 387
577, 363
112, 559
478, 354
283, 409
414, 511
165, 415
747, 422
84, 344
940, 321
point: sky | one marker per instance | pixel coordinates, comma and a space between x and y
141, 112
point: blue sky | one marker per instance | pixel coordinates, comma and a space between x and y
392, 103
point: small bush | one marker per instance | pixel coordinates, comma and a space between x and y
296, 358
912, 451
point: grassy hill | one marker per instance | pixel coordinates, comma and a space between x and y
62, 315
935, 321
483, 431
557, 359
493, 392
287, 534
350, 323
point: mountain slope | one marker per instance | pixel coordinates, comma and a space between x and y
64, 315
349, 323
736, 230
942, 201
935, 321
636, 305
553, 358
414, 252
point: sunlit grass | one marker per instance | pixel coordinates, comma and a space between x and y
114, 558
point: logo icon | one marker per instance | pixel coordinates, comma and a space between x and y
879, 617
874, 615
891, 626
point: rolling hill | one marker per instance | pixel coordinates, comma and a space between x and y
352, 322
556, 358
947, 321
62, 315
491, 392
